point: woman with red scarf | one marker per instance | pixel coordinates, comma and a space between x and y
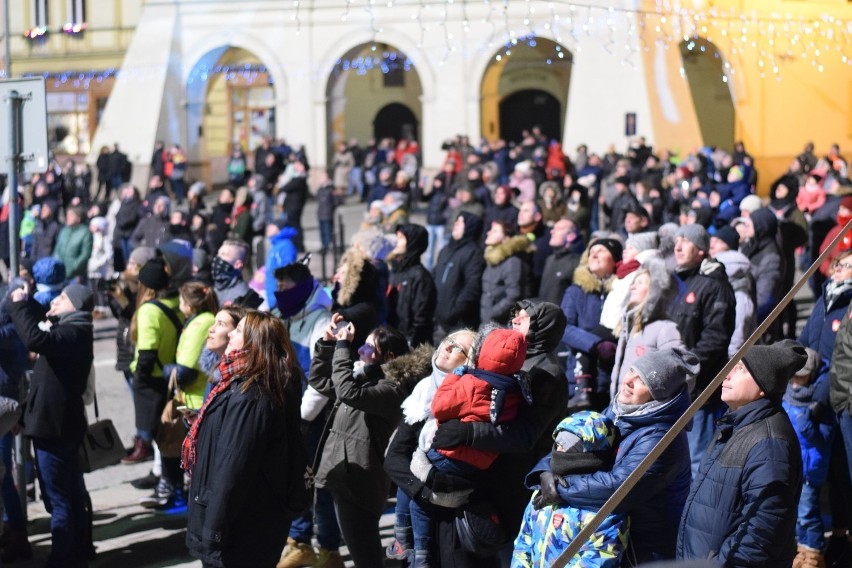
245, 452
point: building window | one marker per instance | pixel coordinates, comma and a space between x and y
68, 122
38, 13
76, 11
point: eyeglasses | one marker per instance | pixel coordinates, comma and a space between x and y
455, 347
843, 265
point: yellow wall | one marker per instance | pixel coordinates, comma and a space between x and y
775, 117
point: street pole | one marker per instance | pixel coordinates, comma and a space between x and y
15, 102
7, 42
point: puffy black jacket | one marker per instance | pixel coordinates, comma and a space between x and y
458, 278
412, 295
741, 507
127, 218
54, 406
705, 312
559, 273
767, 264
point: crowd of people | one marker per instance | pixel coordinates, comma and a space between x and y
505, 367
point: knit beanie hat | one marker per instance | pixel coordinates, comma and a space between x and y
696, 234
153, 274
643, 241
772, 366
49, 270
612, 245
751, 203
729, 236
141, 255
664, 372
81, 297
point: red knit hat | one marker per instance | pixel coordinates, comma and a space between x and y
503, 352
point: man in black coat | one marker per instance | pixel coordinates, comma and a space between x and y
458, 277
412, 295
704, 313
295, 194
568, 246
531, 224
118, 167
54, 416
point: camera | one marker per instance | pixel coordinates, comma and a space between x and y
106, 284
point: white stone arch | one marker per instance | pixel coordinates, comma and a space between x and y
348, 41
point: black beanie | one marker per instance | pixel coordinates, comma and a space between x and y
772, 366
153, 275
729, 236
614, 247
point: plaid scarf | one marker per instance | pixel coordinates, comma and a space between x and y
231, 366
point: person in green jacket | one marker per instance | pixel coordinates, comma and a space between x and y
198, 304
74, 245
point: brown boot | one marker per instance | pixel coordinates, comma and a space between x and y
18, 547
142, 451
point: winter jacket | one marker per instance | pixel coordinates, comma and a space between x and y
251, 462
151, 232
559, 272
13, 355
307, 326
841, 367
439, 199
458, 279
731, 195
616, 301
366, 411
411, 294
260, 211
503, 280
824, 323
656, 502
129, 214
704, 314
766, 262
44, 238
295, 194
582, 305
282, 252
99, 262
156, 335
358, 297
54, 405
741, 508
507, 213
73, 248
191, 378
738, 270
342, 163
806, 408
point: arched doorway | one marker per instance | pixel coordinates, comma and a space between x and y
395, 121
525, 85
230, 102
373, 91
531, 107
703, 65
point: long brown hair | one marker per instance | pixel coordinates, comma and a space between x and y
270, 359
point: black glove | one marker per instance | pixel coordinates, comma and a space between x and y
821, 413
453, 433
547, 494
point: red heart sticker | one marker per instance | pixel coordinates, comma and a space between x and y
640, 350
835, 325
690, 298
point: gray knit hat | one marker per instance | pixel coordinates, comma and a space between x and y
696, 234
772, 366
81, 297
643, 241
664, 372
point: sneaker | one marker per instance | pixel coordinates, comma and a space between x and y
296, 555
328, 559
150, 481
161, 496
395, 551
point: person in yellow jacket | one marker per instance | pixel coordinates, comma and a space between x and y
198, 304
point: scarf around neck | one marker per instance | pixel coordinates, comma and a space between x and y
231, 366
418, 406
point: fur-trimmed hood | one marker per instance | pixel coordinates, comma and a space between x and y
587, 281
495, 254
356, 260
408, 370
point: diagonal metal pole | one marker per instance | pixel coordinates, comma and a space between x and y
625, 488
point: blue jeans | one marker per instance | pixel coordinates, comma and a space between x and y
326, 233
356, 182
703, 426
302, 527
809, 527
126, 249
436, 243
65, 498
14, 513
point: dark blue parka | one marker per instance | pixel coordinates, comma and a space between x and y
656, 502
821, 328
741, 509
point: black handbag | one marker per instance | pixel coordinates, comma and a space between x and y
101, 445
